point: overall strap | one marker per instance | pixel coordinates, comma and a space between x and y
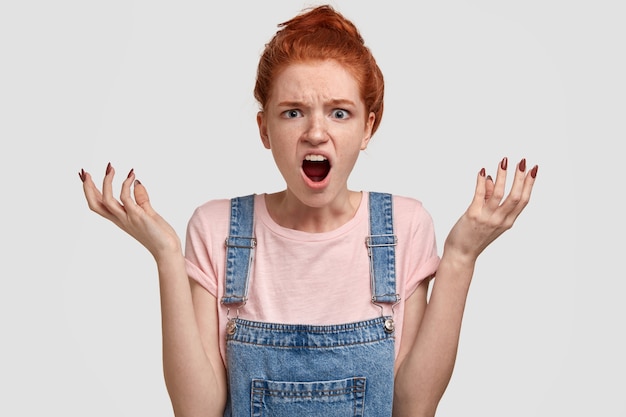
381, 245
239, 250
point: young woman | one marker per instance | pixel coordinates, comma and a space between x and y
313, 300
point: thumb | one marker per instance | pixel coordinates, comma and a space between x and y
141, 196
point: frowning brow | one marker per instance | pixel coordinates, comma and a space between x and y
332, 103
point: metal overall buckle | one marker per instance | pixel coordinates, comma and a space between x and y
231, 324
389, 325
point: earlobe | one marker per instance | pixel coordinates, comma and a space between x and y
368, 131
365, 142
260, 121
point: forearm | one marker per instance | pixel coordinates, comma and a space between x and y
195, 384
423, 376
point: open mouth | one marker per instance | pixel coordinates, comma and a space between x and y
316, 167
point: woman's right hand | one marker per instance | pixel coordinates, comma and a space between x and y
132, 213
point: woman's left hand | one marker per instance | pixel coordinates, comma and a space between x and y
490, 214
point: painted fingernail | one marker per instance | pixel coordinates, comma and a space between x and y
482, 172
131, 172
522, 165
137, 182
489, 178
504, 163
533, 172
108, 169
81, 175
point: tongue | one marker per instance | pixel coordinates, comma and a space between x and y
316, 171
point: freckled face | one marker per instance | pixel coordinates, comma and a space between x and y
315, 124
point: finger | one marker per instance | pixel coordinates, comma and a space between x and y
92, 194
479, 191
519, 196
141, 199
528, 184
111, 204
489, 186
141, 196
479, 194
125, 195
94, 198
498, 189
515, 195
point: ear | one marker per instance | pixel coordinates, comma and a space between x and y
260, 121
368, 130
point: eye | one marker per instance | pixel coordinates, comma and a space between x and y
340, 114
292, 113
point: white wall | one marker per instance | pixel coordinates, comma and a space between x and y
166, 88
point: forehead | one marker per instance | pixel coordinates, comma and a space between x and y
315, 80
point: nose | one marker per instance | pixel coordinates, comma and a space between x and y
317, 130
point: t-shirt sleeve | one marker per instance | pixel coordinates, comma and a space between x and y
204, 244
420, 257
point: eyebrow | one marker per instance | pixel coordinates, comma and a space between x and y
333, 102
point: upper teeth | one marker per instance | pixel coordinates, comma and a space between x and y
315, 158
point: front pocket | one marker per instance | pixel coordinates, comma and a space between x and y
340, 398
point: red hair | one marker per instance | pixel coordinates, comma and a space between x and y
321, 33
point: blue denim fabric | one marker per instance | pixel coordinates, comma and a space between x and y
240, 249
289, 370
381, 248
282, 370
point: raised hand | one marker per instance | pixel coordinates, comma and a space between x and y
488, 216
132, 213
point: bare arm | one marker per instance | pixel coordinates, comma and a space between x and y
192, 365
425, 372
194, 372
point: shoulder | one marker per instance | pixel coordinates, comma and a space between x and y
213, 214
212, 207
409, 213
405, 207
404, 202
412, 220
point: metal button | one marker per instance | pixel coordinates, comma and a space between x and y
390, 326
231, 327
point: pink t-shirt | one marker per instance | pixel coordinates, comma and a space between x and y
311, 278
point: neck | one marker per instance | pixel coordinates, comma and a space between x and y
288, 211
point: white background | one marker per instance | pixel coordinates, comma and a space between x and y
165, 88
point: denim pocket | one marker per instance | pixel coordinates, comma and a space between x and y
340, 398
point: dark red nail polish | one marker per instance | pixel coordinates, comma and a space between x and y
482, 172
137, 182
533, 172
489, 178
81, 175
108, 169
522, 165
505, 163
130, 173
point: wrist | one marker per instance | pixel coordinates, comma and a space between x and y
462, 262
459, 257
168, 255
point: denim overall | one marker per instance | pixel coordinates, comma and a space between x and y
287, 370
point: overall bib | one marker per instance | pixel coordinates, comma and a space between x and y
287, 370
